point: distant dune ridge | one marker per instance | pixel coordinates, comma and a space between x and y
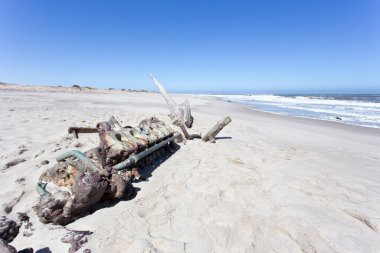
270, 183
60, 88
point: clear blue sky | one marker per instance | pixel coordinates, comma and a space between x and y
193, 45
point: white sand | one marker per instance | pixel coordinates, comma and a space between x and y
272, 184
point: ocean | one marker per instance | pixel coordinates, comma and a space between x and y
362, 110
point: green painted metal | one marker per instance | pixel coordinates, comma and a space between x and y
41, 189
133, 159
79, 155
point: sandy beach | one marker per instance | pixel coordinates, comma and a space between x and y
270, 183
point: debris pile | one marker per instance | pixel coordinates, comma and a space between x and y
76, 239
103, 173
9, 229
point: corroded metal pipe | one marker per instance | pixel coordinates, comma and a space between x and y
80, 156
189, 136
133, 159
41, 189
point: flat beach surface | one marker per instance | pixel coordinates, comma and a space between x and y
270, 183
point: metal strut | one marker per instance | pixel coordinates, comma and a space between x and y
133, 159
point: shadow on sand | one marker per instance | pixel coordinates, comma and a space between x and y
145, 172
223, 138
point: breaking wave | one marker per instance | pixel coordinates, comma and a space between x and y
363, 110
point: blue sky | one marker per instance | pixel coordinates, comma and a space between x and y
220, 46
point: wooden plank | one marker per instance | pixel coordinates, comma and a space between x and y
210, 136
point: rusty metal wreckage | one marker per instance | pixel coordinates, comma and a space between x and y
105, 172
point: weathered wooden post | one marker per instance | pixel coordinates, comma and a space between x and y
210, 136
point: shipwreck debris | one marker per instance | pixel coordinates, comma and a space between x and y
9, 229
14, 162
76, 130
6, 248
133, 159
44, 162
180, 114
103, 173
21, 151
81, 180
76, 239
22, 217
8, 207
210, 136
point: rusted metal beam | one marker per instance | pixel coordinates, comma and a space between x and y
189, 136
76, 130
79, 155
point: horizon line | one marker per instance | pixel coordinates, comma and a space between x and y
283, 91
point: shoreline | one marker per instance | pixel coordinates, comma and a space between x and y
300, 117
335, 124
4, 87
252, 107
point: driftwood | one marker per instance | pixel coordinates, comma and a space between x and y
210, 136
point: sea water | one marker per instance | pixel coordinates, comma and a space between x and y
363, 110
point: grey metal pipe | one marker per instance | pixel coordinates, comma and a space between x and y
133, 159
79, 155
